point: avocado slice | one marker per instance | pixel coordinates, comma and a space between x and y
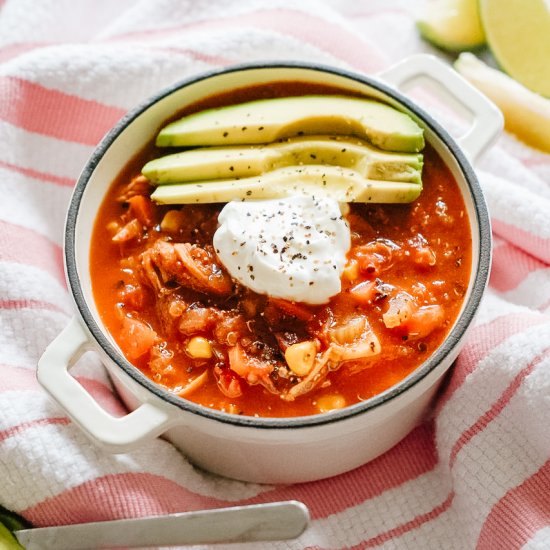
267, 120
246, 161
340, 184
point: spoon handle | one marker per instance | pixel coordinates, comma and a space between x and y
259, 522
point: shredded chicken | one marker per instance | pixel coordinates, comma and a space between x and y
186, 265
132, 230
138, 186
317, 374
193, 385
351, 340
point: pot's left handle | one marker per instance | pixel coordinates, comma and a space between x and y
487, 120
115, 434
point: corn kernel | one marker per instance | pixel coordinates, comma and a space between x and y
300, 357
199, 348
173, 221
328, 403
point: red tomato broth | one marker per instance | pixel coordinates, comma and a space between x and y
439, 215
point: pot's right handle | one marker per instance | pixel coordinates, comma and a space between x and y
115, 434
487, 119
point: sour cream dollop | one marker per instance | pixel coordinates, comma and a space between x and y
292, 248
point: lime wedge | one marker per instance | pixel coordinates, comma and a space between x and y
452, 25
518, 33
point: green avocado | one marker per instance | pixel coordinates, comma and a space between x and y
268, 120
340, 184
245, 161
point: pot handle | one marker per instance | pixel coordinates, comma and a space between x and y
487, 120
115, 434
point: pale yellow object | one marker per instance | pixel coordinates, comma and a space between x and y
240, 161
526, 114
350, 331
351, 271
453, 25
172, 221
518, 34
334, 182
194, 384
300, 357
199, 348
328, 403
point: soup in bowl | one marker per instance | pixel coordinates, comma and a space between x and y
275, 283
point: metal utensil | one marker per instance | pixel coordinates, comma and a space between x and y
260, 522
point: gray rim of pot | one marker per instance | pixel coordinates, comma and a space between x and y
466, 317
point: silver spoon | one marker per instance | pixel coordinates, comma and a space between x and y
259, 522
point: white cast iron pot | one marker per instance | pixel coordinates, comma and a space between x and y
265, 450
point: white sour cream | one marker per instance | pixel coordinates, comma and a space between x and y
292, 248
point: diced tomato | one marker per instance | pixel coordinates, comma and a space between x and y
198, 319
363, 293
133, 296
246, 366
294, 309
160, 360
238, 361
374, 257
136, 338
230, 328
424, 321
401, 308
142, 208
228, 383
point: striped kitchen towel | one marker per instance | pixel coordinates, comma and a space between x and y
476, 474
